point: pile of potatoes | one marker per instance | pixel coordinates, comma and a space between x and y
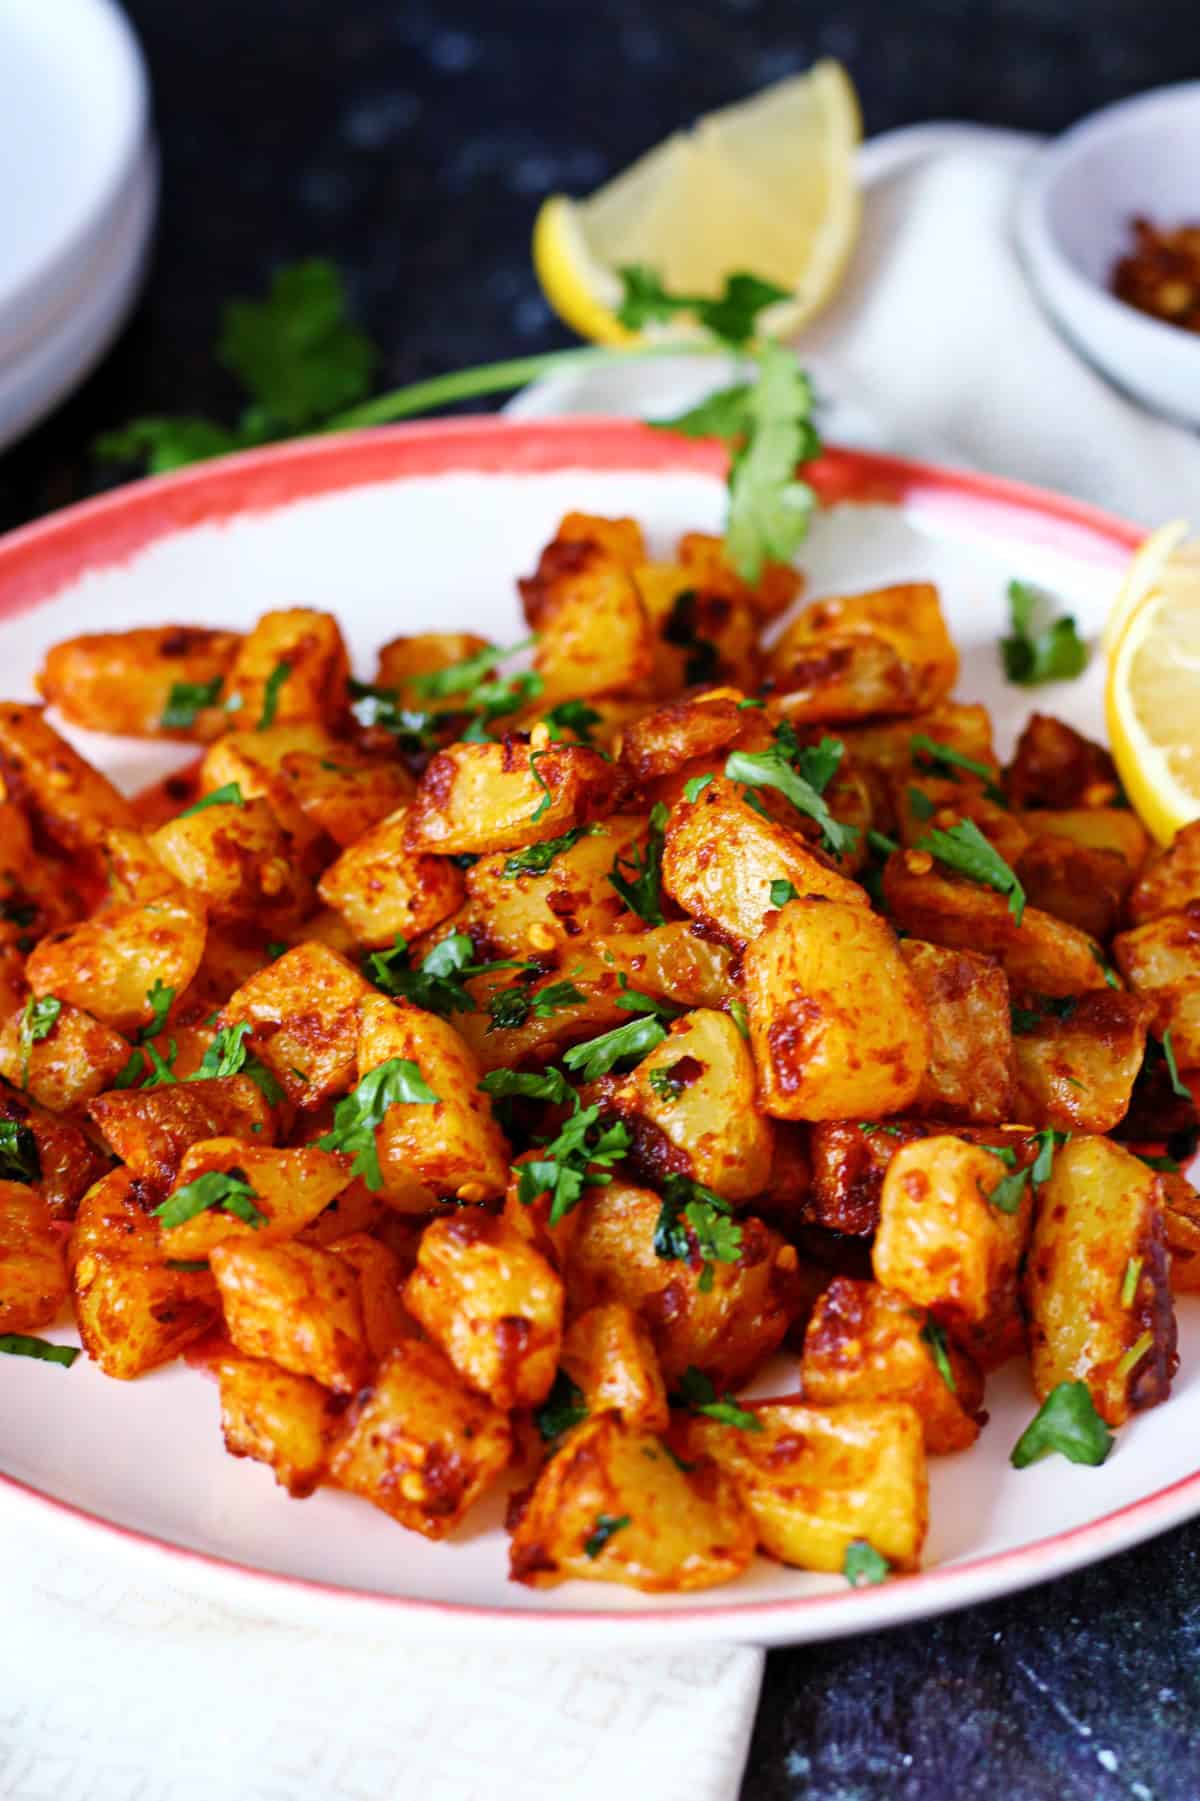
853, 1053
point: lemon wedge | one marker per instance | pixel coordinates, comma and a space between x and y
766, 186
1152, 697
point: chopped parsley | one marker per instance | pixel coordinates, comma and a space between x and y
863, 1565
1130, 1280
226, 1190
528, 1084
698, 1395
547, 800
19, 1344
572, 716
19, 1160
665, 1083
229, 795
1040, 650
881, 843
1177, 1086
782, 893
632, 1041
606, 1525
466, 676
271, 687
1029, 1019
1066, 1422
694, 1223
394, 1083
536, 859
229, 1055
801, 776
695, 786
580, 1156
737, 1013
920, 805
1008, 1193
158, 999
965, 850
930, 753
38, 1019
414, 731
563, 1409
731, 316
934, 1336
638, 877
438, 985
186, 700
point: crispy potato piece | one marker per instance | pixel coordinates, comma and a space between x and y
675, 733
942, 1243
1098, 1236
721, 858
1073, 882
420, 1444
621, 538
1042, 953
76, 1061
703, 557
493, 1304
541, 1040
612, 1506
531, 1220
609, 1355
381, 888
133, 1312
569, 557
969, 1076
850, 1159
36, 893
136, 874
920, 801
295, 1305
33, 1270
282, 1420
73, 802
238, 860
290, 1187
863, 654
1056, 766
380, 1281
701, 636
726, 1330
1161, 960
593, 636
692, 1108
484, 797
424, 653
122, 681
66, 1159
453, 1146
1076, 1071
107, 964
864, 1343
310, 644
837, 1023
1181, 1225
253, 762
672, 960
344, 796
1113, 829
817, 1478
303, 1013
573, 899
150, 1129
887, 747
1170, 882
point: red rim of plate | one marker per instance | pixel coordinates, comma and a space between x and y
39, 560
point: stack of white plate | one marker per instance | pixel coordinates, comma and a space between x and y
78, 188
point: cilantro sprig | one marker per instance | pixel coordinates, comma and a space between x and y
1040, 649
438, 985
637, 877
19, 1159
221, 1190
801, 775
186, 700
732, 315
695, 1224
1066, 1422
698, 1394
356, 1118
964, 849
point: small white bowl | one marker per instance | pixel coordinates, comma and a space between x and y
1140, 157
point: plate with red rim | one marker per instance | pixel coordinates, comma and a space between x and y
412, 528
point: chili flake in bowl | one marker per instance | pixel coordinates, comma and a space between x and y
1160, 274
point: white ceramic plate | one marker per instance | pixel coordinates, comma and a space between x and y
420, 527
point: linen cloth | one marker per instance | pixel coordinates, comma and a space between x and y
118, 1683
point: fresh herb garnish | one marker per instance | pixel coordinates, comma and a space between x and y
665, 1083
38, 1019
1067, 1422
19, 1160
694, 1223
881, 843
801, 776
1177, 1086
19, 1344
531, 1085
271, 687
920, 805
229, 1055
563, 1408
186, 700
580, 1156
536, 859
394, 1083
868, 1126
697, 1393
1048, 652
413, 730
863, 1565
737, 1013
158, 999
934, 1335
571, 716
965, 850
731, 316
781, 893
695, 785
606, 1524
1167, 1165
1130, 1280
438, 985
229, 795
225, 1189
930, 753
1028, 1019
637, 878
633, 1041
1008, 1193
162, 1069
1133, 1356
703, 662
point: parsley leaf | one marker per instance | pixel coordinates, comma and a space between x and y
695, 1222
271, 687
162, 1068
295, 352
635, 1040
965, 849
697, 1393
186, 700
1066, 1422
863, 1565
769, 510
536, 859
466, 676
526, 1084
1177, 1086
394, 1083
572, 716
695, 786
730, 317
606, 1525
1007, 1195
722, 414
438, 986
158, 999
229, 1055
580, 1156
638, 877
775, 768
929, 753
1053, 653
225, 1189
934, 1335
782, 893
38, 1019
1130, 1280
511, 1007
563, 1408
229, 795
19, 1344
19, 1160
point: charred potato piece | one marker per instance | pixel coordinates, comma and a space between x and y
290, 1189
1113, 829
493, 1304
309, 646
1161, 961
541, 1037
609, 1355
253, 762
149, 1130
1055, 766
382, 889
537, 910
673, 961
72, 1063
1170, 882
1075, 1062
303, 1013
573, 548
697, 725
33, 1271
969, 1076
345, 795
133, 1311
490, 797
1097, 1286
380, 1273
108, 964
1086, 887
238, 860
124, 682
705, 559
816, 1479
837, 1023
419, 1444
285, 1421
73, 802
1181, 1225
593, 636
56, 1154
864, 654
613, 1506
297, 1306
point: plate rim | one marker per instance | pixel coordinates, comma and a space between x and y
37, 561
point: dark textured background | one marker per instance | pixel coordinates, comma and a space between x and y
411, 141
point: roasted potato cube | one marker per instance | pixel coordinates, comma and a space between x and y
970, 1039
613, 1506
865, 654
382, 889
74, 802
727, 1329
123, 682
108, 964
817, 1478
279, 1419
1171, 881
920, 801
1097, 1281
1043, 954
672, 961
1076, 1061
944, 1244
488, 797
573, 899
609, 1355
721, 859
149, 1129
420, 1444
1113, 829
887, 747
424, 653
1056, 766
76, 1060
696, 1092
593, 634
309, 645
380, 1283
346, 797
1161, 960
1181, 1224
62, 1158
303, 1013
837, 1023
864, 1343
1073, 882
849, 1161
133, 1311
238, 860
453, 1146
493, 1304
253, 762
290, 1188
296, 1306
704, 558
568, 559
675, 733
621, 538
541, 1038
33, 1270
